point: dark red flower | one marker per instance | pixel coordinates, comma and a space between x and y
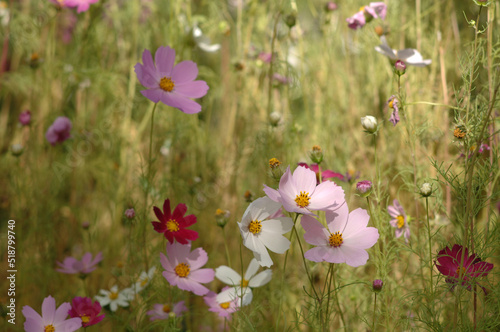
173, 225
325, 174
84, 308
472, 267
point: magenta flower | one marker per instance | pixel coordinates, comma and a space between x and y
25, 118
165, 311
399, 221
88, 312
298, 192
71, 265
81, 5
344, 241
174, 225
325, 174
471, 268
224, 309
182, 268
52, 319
59, 131
172, 85
130, 213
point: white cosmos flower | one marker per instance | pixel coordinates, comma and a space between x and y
144, 279
241, 287
114, 298
261, 230
409, 56
204, 42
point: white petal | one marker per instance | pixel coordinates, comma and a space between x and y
253, 267
227, 275
261, 279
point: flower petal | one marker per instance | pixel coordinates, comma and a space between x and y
164, 59
197, 258
227, 275
49, 309
252, 269
184, 104
261, 279
185, 71
202, 275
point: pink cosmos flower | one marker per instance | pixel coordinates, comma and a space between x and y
59, 131
52, 319
71, 265
399, 221
298, 192
25, 118
81, 5
393, 104
344, 241
224, 309
356, 21
173, 225
172, 85
182, 268
325, 174
366, 14
376, 9
165, 311
83, 308
473, 267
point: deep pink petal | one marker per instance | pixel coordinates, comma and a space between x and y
164, 59
159, 227
166, 209
187, 234
185, 71
159, 214
179, 212
196, 89
169, 236
327, 174
189, 220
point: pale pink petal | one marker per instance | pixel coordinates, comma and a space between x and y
185, 71
261, 279
363, 239
178, 252
335, 255
337, 219
316, 234
69, 325
165, 262
399, 232
354, 256
202, 275
188, 285
358, 220
179, 308
184, 104
197, 258
227, 275
304, 179
33, 325
272, 193
327, 196
153, 94
317, 254
62, 312
49, 309
196, 89
30, 313
164, 59
171, 277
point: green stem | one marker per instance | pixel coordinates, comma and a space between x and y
374, 312
330, 272
337, 300
430, 243
225, 245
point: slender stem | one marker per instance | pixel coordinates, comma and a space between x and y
270, 73
337, 300
330, 272
225, 245
374, 312
430, 244
305, 264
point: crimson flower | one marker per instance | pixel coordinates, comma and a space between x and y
173, 225
83, 308
472, 267
325, 174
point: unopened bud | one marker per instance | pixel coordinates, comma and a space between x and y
400, 68
369, 123
130, 213
426, 189
222, 217
17, 149
364, 188
377, 285
330, 6
274, 119
316, 154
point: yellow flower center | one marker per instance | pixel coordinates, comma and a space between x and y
336, 239
362, 8
224, 305
255, 226
49, 328
302, 199
166, 308
172, 226
219, 212
401, 221
459, 133
244, 282
391, 104
113, 296
273, 162
167, 84
85, 319
460, 269
316, 148
182, 270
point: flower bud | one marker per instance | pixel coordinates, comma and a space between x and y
248, 195
274, 119
290, 20
25, 118
400, 68
364, 188
316, 154
85, 224
426, 189
377, 285
369, 123
222, 217
330, 6
130, 213
17, 149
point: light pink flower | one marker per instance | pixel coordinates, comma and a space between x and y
52, 319
376, 9
356, 21
399, 221
71, 265
344, 241
298, 192
81, 5
59, 131
172, 85
165, 311
183, 268
224, 309
366, 14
